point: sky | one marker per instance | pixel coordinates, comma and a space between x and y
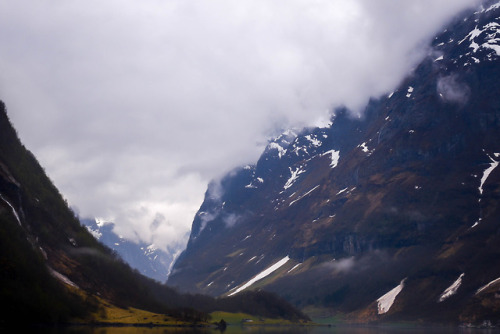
133, 107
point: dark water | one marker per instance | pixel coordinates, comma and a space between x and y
258, 330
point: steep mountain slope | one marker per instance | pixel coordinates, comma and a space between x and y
53, 270
148, 259
390, 216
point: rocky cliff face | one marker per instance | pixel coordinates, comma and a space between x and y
392, 215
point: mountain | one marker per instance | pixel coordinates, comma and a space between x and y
148, 259
389, 216
52, 269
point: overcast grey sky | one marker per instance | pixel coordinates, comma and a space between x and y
133, 107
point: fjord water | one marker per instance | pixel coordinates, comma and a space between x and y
271, 330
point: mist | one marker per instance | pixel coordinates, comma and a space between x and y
133, 107
453, 90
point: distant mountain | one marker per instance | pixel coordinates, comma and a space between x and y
391, 216
148, 259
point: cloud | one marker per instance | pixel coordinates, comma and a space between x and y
231, 219
342, 265
133, 107
453, 90
205, 218
355, 264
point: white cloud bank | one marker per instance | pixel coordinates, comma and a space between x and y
133, 106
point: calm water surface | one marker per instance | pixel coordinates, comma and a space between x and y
265, 330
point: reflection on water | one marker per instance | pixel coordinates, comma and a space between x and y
264, 330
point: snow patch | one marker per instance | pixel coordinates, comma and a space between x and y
335, 157
262, 275
294, 176
171, 266
474, 46
251, 185
385, 302
487, 172
62, 278
493, 47
364, 148
473, 34
410, 90
495, 6
314, 141
294, 267
13, 209
491, 32
279, 148
452, 289
488, 285
301, 197
340, 192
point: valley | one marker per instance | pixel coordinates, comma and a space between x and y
381, 219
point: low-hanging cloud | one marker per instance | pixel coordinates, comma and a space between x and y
133, 106
342, 265
451, 89
357, 264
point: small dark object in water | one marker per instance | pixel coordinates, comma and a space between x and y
221, 325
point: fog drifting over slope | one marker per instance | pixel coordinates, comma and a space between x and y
133, 107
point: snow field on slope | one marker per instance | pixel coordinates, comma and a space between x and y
335, 157
13, 210
385, 302
487, 171
495, 281
452, 289
262, 275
